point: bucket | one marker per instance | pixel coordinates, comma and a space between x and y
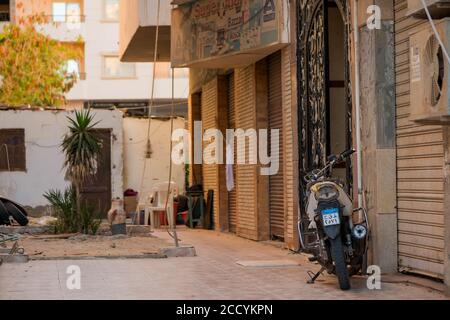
184, 216
163, 217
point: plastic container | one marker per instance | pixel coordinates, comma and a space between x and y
184, 216
163, 217
119, 229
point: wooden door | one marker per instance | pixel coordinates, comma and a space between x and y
96, 191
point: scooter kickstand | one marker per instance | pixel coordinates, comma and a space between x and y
313, 276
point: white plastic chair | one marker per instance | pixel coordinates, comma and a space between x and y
156, 202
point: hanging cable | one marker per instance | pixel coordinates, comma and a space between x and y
173, 232
152, 94
150, 109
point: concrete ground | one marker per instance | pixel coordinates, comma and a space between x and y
213, 274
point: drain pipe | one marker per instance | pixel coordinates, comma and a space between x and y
357, 104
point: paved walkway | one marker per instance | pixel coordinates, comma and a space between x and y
213, 274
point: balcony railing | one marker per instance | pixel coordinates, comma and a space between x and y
66, 18
5, 17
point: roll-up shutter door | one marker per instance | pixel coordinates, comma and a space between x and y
288, 149
210, 171
276, 182
232, 195
420, 176
245, 173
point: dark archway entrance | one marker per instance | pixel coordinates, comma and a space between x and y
324, 90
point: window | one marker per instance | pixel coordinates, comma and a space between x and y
12, 150
113, 68
66, 12
72, 67
111, 10
75, 66
4, 11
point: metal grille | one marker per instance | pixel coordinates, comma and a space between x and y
313, 86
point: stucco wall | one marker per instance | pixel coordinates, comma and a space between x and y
135, 146
44, 160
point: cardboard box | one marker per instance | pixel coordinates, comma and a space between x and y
130, 204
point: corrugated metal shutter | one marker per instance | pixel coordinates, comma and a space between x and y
420, 176
209, 114
288, 145
276, 182
246, 174
232, 195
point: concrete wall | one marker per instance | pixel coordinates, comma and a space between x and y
135, 146
44, 131
378, 134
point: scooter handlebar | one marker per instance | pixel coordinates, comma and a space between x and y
347, 153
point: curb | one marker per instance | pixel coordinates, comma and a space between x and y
141, 256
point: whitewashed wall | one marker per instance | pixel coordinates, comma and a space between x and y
135, 146
44, 159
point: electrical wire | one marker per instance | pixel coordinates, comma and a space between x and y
173, 232
150, 109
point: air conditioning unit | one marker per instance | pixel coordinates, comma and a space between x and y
438, 8
429, 77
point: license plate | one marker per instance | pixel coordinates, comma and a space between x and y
330, 217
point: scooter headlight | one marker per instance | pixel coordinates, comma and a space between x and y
359, 231
326, 193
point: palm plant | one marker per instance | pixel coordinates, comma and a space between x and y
63, 203
81, 148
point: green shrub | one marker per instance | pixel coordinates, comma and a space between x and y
89, 224
64, 208
68, 221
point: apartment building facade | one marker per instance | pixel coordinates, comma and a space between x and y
103, 80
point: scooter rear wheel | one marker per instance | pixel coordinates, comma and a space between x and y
337, 253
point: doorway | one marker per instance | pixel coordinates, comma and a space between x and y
96, 192
324, 90
5, 11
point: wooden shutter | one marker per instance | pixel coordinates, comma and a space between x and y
232, 195
276, 182
246, 173
214, 116
289, 120
210, 171
420, 175
12, 150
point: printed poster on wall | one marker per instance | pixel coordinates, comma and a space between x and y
208, 29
